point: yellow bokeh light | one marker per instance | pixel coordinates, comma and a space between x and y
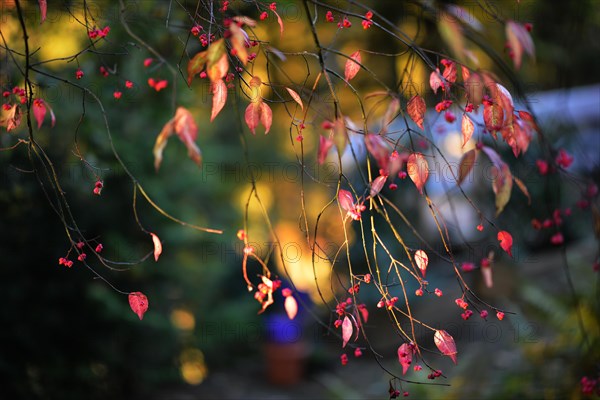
183, 319
193, 369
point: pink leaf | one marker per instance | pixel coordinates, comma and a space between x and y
405, 354
324, 145
486, 273
296, 97
445, 343
280, 22
252, 116
352, 65
266, 116
346, 201
467, 128
418, 170
422, 260
502, 179
519, 39
39, 111
493, 117
138, 303
219, 91
43, 10
364, 313
157, 246
435, 80
291, 307
378, 148
377, 185
416, 110
347, 330
506, 241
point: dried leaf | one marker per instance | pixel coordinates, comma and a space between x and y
506, 241
418, 170
502, 179
347, 330
352, 65
467, 128
422, 260
416, 110
296, 97
445, 343
138, 303
291, 307
219, 90
466, 164
11, 118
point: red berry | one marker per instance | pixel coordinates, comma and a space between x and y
438, 292
82, 257
419, 292
344, 359
99, 248
483, 314
500, 315
78, 74
528, 26
357, 352
263, 15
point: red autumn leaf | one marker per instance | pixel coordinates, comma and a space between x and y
377, 147
435, 80
346, 200
43, 10
466, 164
506, 100
405, 355
493, 117
445, 343
450, 72
467, 128
519, 40
266, 116
347, 330
422, 260
291, 307
252, 116
352, 66
418, 170
138, 303
219, 90
364, 313
502, 179
466, 74
216, 60
185, 127
296, 97
157, 246
377, 185
324, 145
474, 87
196, 65
39, 111
506, 241
416, 110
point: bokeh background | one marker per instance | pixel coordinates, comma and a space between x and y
66, 335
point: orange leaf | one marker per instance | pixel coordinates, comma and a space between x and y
219, 90
347, 330
196, 65
252, 116
157, 246
416, 110
161, 143
187, 131
466, 165
467, 128
238, 40
291, 307
216, 60
506, 241
296, 97
422, 260
138, 303
280, 22
445, 343
418, 170
493, 117
352, 66
502, 179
